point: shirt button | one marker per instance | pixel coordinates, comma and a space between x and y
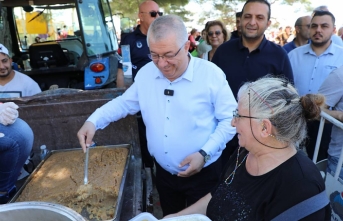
167, 118
166, 152
165, 135
168, 101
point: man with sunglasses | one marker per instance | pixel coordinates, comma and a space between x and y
302, 37
186, 104
139, 50
148, 12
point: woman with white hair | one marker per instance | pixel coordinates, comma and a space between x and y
268, 176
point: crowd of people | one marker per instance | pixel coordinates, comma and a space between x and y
223, 130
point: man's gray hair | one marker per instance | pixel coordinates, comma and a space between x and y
164, 26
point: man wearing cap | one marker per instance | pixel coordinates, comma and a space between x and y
14, 83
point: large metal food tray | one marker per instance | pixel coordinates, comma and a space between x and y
121, 188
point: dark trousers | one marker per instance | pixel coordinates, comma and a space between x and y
310, 142
177, 193
147, 160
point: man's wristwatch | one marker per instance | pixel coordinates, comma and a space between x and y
205, 155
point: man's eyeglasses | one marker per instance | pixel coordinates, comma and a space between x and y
168, 57
154, 13
211, 33
237, 115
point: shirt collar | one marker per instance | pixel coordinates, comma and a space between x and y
330, 50
137, 31
259, 48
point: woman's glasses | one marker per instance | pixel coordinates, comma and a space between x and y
154, 13
237, 115
211, 33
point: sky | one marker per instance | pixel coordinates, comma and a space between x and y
285, 14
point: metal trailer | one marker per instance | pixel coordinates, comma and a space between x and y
55, 116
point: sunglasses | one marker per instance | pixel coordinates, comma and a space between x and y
211, 33
153, 14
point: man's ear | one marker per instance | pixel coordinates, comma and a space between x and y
140, 16
188, 43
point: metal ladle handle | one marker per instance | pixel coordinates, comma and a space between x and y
85, 180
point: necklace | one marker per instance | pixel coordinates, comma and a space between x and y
232, 175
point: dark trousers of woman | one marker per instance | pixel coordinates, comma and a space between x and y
177, 193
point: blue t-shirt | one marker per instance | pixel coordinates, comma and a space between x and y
291, 45
240, 65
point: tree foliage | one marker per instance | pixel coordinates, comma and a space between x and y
129, 8
226, 9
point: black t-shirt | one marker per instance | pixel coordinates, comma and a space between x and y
264, 197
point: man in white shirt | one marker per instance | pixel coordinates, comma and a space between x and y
14, 83
311, 64
334, 38
187, 106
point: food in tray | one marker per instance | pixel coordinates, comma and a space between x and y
60, 180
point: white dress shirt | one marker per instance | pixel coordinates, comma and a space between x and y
310, 70
198, 115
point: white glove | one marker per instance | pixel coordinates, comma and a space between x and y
8, 113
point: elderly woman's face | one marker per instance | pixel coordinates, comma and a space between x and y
243, 127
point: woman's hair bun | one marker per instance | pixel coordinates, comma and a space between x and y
311, 104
